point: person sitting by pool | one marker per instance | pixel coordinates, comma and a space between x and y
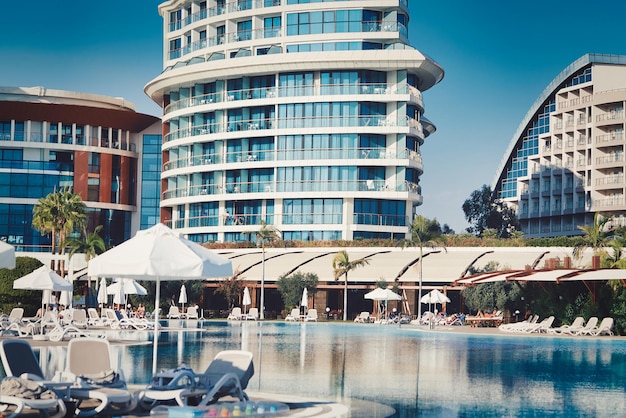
141, 311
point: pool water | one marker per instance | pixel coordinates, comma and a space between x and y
419, 373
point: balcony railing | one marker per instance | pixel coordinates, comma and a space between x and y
292, 186
270, 92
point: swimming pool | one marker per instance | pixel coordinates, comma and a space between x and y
419, 373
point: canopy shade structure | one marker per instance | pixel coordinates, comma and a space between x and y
158, 253
7, 255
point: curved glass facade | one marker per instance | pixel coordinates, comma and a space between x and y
307, 116
565, 163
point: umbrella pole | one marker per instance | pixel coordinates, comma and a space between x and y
156, 326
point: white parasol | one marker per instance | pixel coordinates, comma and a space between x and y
42, 279
182, 298
247, 300
434, 297
305, 298
159, 253
380, 294
103, 296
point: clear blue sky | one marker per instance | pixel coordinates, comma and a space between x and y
498, 57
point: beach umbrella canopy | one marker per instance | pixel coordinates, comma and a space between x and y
43, 279
247, 300
305, 298
129, 286
7, 255
158, 253
434, 296
380, 294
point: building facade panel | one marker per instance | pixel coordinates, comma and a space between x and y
51, 139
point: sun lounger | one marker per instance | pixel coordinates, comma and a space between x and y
294, 315
311, 315
15, 405
577, 325
174, 313
589, 328
227, 375
192, 312
253, 314
235, 313
541, 327
364, 318
605, 327
89, 366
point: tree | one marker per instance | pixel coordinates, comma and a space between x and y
291, 287
30, 300
231, 288
59, 214
595, 237
91, 244
423, 232
342, 265
266, 233
483, 211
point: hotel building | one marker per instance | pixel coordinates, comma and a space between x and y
51, 139
306, 115
566, 160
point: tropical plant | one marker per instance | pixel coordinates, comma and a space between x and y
59, 214
595, 237
91, 244
423, 233
231, 288
342, 265
292, 286
266, 233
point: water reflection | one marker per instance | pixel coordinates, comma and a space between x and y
438, 374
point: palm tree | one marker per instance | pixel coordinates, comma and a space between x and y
595, 237
423, 233
341, 266
91, 244
266, 233
59, 214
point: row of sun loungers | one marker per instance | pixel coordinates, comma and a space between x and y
578, 326
294, 315
90, 383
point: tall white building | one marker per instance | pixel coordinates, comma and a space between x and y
306, 115
566, 161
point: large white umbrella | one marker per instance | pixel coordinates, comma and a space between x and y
129, 286
158, 253
434, 297
247, 300
380, 294
43, 279
182, 298
7, 255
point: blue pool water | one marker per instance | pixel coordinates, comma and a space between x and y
419, 373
